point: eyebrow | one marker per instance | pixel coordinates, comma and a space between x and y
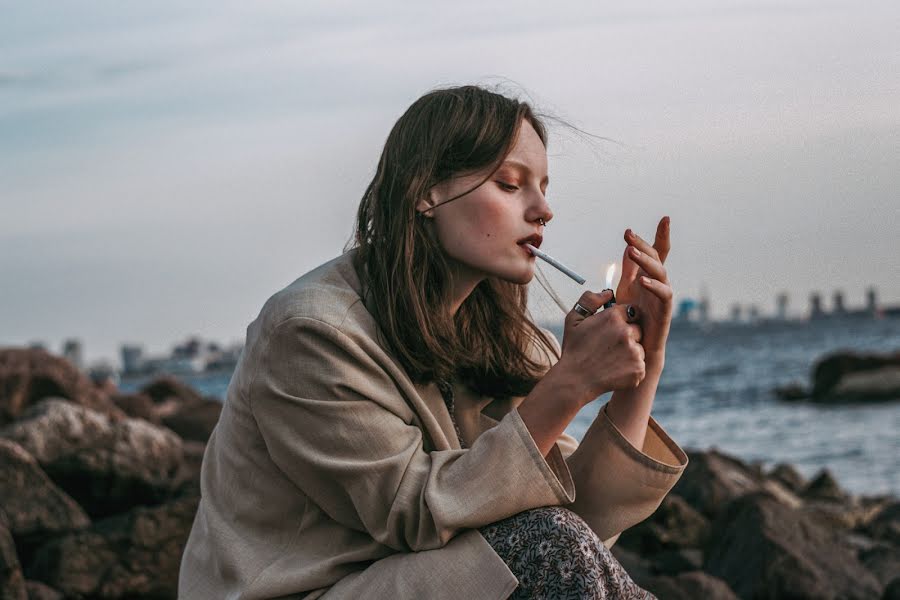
524, 167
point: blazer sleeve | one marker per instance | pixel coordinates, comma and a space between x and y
616, 484
335, 424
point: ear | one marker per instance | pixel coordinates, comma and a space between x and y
424, 205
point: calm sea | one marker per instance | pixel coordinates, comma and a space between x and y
716, 391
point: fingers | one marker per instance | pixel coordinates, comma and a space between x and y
590, 302
660, 289
635, 240
662, 242
649, 263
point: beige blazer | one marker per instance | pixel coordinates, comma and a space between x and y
331, 474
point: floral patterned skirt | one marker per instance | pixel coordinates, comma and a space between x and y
555, 554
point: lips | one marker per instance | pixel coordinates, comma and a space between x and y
534, 239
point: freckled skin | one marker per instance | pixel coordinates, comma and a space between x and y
479, 231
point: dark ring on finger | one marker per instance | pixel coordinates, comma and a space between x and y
630, 312
582, 310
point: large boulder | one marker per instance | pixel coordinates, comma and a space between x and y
137, 406
133, 555
107, 465
850, 376
195, 420
30, 375
885, 524
673, 525
713, 478
170, 393
764, 549
35, 508
690, 586
12, 582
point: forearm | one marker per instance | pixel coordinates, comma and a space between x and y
551, 406
630, 409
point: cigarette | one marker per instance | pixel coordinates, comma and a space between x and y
553, 262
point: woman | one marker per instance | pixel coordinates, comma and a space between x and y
395, 426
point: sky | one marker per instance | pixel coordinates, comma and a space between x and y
166, 167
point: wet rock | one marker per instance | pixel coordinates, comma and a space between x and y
137, 406
791, 392
788, 476
39, 591
170, 389
892, 591
825, 487
107, 466
712, 479
12, 582
885, 525
29, 375
764, 549
690, 586
638, 568
883, 561
678, 560
848, 376
673, 525
195, 420
134, 555
35, 508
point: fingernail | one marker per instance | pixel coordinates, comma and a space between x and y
645, 280
635, 252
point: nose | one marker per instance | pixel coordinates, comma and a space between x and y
541, 210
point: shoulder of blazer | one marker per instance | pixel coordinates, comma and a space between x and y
330, 293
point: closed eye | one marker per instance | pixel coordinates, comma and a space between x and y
507, 186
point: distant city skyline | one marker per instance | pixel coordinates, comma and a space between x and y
165, 168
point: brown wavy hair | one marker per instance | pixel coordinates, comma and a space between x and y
491, 344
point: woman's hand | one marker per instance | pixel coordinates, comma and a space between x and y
602, 352
645, 283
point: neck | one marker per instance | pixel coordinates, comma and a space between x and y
463, 282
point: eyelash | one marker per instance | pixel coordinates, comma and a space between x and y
507, 186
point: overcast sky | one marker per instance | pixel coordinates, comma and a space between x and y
165, 167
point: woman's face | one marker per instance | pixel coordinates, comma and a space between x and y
482, 231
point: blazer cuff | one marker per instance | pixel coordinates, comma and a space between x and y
554, 470
663, 460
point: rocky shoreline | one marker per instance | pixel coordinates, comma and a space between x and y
98, 492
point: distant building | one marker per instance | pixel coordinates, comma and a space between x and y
839, 308
736, 312
871, 301
132, 358
815, 306
781, 306
37, 345
72, 352
754, 313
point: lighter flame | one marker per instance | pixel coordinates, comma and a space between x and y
610, 272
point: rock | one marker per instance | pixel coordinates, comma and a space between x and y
107, 466
35, 508
166, 389
30, 375
764, 549
639, 569
787, 475
892, 591
712, 479
883, 561
848, 376
673, 525
825, 487
885, 525
690, 586
134, 555
791, 392
677, 560
195, 420
39, 591
12, 582
137, 406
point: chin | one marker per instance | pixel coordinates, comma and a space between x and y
517, 277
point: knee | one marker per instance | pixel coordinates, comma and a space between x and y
567, 528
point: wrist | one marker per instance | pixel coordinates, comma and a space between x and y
655, 363
570, 384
